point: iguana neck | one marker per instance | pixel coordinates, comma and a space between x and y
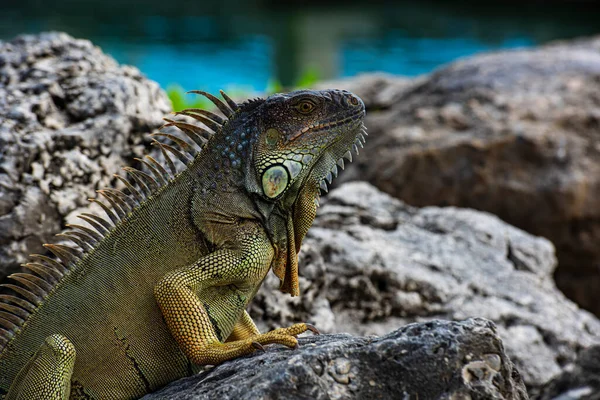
229, 158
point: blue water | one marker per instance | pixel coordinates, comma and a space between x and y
201, 65
408, 56
252, 45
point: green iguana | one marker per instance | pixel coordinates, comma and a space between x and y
160, 287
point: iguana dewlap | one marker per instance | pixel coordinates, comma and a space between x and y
161, 285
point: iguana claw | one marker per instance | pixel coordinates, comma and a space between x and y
258, 346
313, 329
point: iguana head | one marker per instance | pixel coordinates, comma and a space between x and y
282, 150
303, 135
302, 138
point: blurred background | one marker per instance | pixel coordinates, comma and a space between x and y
264, 45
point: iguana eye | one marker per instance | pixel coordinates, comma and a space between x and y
305, 107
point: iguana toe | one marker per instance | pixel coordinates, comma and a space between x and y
313, 329
258, 346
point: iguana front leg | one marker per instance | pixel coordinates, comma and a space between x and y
201, 303
47, 375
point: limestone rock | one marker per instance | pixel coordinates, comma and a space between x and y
514, 133
580, 381
433, 360
371, 264
70, 117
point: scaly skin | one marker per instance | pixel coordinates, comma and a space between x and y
46, 375
165, 289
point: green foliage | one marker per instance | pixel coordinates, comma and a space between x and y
274, 86
308, 78
182, 100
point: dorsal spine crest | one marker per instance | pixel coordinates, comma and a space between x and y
29, 289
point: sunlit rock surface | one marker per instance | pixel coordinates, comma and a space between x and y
70, 117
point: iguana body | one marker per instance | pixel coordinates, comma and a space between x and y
163, 287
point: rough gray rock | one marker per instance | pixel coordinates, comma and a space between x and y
372, 263
433, 360
580, 381
514, 133
70, 117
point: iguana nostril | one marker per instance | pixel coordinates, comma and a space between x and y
341, 97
